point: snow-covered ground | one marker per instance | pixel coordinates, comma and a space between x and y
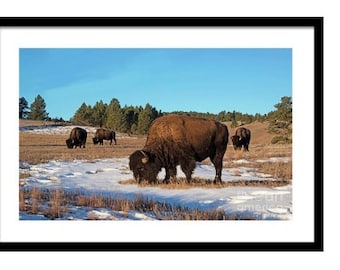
53, 129
103, 175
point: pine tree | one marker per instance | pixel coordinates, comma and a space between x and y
114, 115
99, 113
281, 119
130, 119
284, 110
83, 115
233, 120
38, 109
221, 116
23, 106
144, 119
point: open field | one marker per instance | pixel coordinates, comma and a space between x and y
256, 184
41, 147
38, 148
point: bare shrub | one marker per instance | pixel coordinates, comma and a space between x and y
35, 200
22, 203
57, 204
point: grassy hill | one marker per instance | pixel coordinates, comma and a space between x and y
259, 132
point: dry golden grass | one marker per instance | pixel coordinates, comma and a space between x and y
40, 148
57, 199
198, 182
57, 204
30, 203
24, 175
22, 201
51, 204
258, 151
279, 170
25, 122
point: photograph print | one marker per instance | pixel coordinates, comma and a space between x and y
181, 130
155, 134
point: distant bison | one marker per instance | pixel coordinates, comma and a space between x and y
104, 134
77, 138
241, 138
179, 140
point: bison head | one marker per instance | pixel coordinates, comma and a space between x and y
144, 166
95, 140
237, 142
69, 143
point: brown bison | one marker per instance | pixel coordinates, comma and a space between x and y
77, 138
179, 140
241, 138
104, 134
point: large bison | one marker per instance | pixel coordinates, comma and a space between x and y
104, 134
241, 138
179, 140
77, 138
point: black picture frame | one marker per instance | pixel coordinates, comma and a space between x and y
316, 23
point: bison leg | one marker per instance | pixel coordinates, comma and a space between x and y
75, 143
188, 167
170, 173
217, 160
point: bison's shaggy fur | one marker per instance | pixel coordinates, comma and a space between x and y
77, 138
179, 140
241, 138
104, 134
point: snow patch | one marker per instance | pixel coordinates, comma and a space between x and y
274, 159
241, 161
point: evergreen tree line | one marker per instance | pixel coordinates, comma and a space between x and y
127, 119
137, 119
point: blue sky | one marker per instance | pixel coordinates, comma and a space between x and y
204, 80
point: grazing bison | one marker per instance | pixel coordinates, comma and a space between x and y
179, 140
104, 134
77, 138
241, 138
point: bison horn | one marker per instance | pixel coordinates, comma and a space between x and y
145, 159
